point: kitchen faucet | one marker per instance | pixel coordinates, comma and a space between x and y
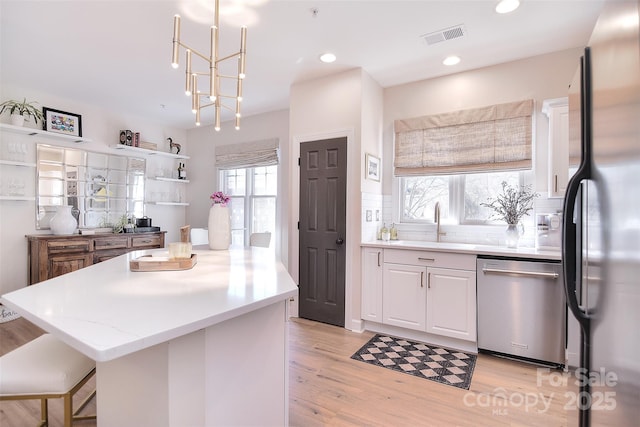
436, 219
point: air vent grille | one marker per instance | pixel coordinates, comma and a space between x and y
445, 34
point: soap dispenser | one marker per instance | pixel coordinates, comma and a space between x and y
393, 233
385, 233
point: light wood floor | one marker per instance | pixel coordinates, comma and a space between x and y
327, 387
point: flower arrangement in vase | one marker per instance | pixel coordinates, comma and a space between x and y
510, 206
219, 229
219, 198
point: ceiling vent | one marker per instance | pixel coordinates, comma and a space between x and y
444, 35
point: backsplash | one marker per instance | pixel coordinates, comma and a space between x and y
377, 210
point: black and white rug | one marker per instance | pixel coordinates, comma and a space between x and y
451, 367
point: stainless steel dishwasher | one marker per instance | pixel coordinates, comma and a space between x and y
521, 308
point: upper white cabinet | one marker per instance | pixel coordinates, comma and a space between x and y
557, 111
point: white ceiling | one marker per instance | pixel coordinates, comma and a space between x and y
117, 53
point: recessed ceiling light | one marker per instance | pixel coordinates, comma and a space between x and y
451, 60
327, 57
506, 6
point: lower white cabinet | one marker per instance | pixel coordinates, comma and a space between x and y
411, 289
403, 296
372, 284
451, 303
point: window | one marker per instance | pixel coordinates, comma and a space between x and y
253, 194
460, 196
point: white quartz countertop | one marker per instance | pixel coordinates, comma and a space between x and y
107, 311
502, 251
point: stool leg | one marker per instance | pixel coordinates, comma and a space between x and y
68, 409
44, 413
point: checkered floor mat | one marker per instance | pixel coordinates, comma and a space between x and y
438, 364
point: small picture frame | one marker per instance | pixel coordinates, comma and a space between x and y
62, 122
372, 164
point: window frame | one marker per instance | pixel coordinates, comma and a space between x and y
456, 200
249, 197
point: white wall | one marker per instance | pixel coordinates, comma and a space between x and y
345, 104
203, 175
17, 218
539, 78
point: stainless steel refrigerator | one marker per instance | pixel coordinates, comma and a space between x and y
601, 230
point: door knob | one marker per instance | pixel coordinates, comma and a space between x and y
339, 241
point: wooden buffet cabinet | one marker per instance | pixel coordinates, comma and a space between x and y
50, 256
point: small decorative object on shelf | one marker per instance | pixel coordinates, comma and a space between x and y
219, 223
173, 145
182, 171
62, 122
510, 206
21, 111
63, 221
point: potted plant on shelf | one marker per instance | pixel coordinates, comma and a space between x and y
510, 206
21, 111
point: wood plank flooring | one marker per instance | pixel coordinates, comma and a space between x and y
328, 388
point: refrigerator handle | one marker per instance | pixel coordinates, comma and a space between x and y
569, 246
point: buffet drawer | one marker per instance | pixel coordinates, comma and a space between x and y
117, 242
147, 241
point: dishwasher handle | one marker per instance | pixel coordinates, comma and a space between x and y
543, 274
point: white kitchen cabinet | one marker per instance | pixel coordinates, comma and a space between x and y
404, 296
371, 309
451, 303
557, 110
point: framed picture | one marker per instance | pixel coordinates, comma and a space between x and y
62, 122
373, 167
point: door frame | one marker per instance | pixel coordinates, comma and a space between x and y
352, 237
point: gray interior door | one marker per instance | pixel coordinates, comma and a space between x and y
323, 184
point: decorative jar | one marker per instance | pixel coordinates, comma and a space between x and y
63, 222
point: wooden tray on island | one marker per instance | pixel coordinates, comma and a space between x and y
151, 263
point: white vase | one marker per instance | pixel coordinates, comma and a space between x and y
63, 222
17, 119
513, 233
219, 227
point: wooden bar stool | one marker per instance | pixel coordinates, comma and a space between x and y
46, 368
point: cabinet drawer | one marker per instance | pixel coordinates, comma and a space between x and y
68, 245
116, 242
431, 259
152, 241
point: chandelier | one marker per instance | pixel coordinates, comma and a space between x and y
200, 100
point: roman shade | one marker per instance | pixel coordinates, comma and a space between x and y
248, 154
492, 138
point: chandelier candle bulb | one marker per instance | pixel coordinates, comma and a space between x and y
195, 102
243, 51
176, 41
187, 90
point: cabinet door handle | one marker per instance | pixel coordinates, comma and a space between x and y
378, 258
426, 259
429, 280
422, 279
555, 185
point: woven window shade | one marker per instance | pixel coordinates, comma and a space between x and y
493, 138
248, 154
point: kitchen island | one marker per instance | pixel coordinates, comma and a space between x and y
200, 347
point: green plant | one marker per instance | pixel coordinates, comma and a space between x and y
512, 204
24, 108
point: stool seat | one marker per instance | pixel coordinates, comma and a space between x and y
45, 368
45, 365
